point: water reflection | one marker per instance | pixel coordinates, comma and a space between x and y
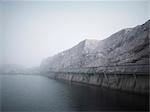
32, 93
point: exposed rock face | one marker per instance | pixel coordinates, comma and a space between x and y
130, 83
120, 61
72, 58
126, 47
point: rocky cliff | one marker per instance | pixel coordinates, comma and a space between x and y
71, 58
118, 61
127, 47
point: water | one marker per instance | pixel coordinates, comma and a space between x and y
38, 93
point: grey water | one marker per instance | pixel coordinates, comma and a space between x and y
39, 93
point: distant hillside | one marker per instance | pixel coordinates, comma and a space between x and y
127, 47
12, 68
17, 69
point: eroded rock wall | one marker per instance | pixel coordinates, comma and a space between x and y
132, 83
125, 53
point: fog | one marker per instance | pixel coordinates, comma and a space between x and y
33, 31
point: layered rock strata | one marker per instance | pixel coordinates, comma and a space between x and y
120, 61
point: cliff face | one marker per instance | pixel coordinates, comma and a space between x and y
72, 58
126, 47
119, 62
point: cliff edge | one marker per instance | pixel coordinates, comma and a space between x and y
126, 47
120, 61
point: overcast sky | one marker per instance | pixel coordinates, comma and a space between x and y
32, 31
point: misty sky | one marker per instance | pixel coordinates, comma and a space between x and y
32, 31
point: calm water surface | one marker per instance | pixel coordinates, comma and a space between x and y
38, 93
